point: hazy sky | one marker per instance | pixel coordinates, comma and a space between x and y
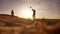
44, 8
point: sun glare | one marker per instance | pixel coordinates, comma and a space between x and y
27, 13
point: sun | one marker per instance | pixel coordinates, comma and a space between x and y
27, 13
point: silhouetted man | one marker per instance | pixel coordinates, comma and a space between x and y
12, 12
34, 12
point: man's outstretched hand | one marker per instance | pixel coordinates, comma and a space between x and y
30, 7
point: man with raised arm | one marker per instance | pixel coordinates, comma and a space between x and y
34, 12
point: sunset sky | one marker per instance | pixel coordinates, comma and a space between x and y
44, 8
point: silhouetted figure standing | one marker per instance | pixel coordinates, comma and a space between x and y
34, 12
12, 12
